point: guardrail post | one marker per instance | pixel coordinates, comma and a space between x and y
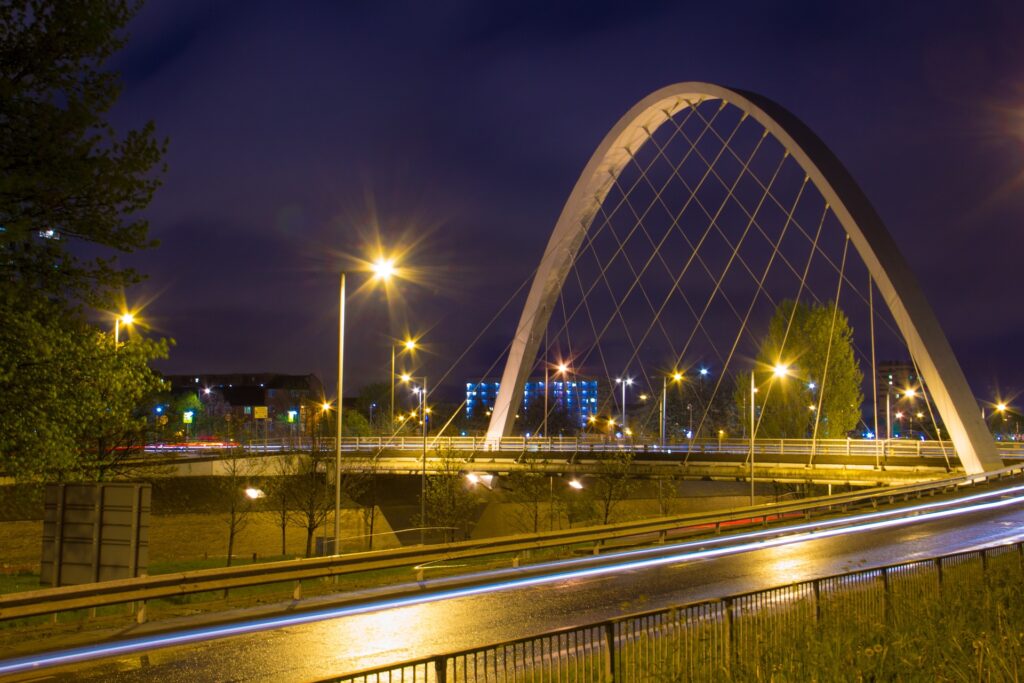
938, 572
887, 603
609, 651
984, 568
297, 591
140, 616
730, 637
441, 669
817, 600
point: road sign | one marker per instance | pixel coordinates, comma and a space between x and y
187, 417
259, 412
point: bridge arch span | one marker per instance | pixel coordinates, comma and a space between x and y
898, 286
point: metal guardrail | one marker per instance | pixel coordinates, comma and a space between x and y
736, 638
142, 589
598, 444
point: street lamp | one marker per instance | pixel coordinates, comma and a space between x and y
779, 371
676, 377
623, 382
407, 345
125, 319
383, 269
422, 393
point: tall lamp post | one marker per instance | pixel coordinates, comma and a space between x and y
407, 345
623, 381
676, 377
382, 269
422, 393
779, 371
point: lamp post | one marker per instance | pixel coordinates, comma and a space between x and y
382, 269
407, 345
676, 377
560, 371
753, 390
422, 393
623, 381
125, 318
779, 371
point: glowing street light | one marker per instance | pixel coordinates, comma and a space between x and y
125, 319
383, 269
575, 484
780, 370
676, 377
910, 392
421, 391
407, 345
254, 493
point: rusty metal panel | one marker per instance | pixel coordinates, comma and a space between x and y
95, 532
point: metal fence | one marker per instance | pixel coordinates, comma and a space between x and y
743, 637
602, 444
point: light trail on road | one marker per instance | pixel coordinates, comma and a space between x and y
611, 563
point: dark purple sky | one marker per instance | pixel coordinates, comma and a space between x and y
464, 126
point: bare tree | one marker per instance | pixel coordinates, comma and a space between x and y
238, 487
279, 494
667, 493
613, 482
449, 501
310, 494
530, 489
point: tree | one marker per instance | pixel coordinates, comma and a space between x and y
530, 489
531, 420
311, 495
279, 494
817, 333
449, 502
69, 185
612, 483
374, 402
235, 483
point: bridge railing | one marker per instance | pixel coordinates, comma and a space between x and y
599, 444
737, 637
142, 589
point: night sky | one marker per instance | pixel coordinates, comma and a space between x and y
298, 131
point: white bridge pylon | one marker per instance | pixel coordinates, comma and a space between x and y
898, 286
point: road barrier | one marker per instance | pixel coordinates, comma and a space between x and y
139, 591
742, 637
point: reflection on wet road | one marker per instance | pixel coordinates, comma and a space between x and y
317, 650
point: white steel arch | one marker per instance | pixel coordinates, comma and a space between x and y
896, 283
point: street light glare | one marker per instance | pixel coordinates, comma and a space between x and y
254, 493
562, 367
383, 268
1001, 407
127, 319
405, 377
678, 376
910, 393
575, 483
780, 370
325, 406
410, 345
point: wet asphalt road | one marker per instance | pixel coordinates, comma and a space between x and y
331, 647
